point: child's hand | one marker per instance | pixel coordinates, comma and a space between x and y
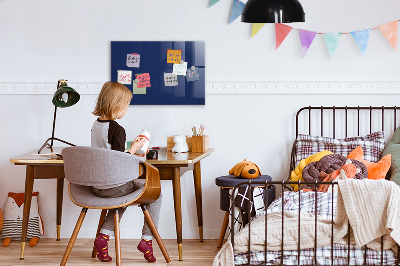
137, 144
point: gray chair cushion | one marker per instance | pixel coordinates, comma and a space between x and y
84, 196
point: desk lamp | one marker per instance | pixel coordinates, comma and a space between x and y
273, 11
64, 96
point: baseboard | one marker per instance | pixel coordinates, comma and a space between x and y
231, 87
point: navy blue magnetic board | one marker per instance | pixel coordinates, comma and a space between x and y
153, 60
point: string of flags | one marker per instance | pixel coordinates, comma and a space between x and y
361, 37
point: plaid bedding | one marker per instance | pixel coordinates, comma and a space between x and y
372, 145
323, 207
324, 257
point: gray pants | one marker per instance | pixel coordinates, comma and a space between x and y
154, 208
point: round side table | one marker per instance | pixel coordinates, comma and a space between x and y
228, 182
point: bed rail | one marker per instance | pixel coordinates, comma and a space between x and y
343, 118
265, 185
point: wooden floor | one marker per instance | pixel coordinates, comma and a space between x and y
50, 252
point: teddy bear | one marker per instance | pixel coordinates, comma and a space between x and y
180, 144
245, 169
13, 215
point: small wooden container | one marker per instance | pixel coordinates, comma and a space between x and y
171, 143
200, 143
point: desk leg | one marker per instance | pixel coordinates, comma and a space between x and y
27, 206
199, 204
176, 182
60, 190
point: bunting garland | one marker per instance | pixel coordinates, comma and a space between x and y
306, 39
237, 9
389, 30
281, 31
361, 37
213, 2
332, 41
256, 27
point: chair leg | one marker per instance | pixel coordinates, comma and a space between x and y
101, 222
117, 239
73, 237
223, 229
154, 230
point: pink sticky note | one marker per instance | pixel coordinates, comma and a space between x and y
144, 80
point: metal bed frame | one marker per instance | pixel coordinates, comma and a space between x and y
283, 184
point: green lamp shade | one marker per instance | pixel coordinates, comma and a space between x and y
65, 96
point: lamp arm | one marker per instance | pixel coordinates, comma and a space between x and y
55, 115
54, 126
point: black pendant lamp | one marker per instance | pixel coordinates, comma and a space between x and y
273, 11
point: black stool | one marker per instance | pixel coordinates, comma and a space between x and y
226, 183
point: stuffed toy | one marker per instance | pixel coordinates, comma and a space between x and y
375, 170
328, 164
296, 174
180, 144
245, 169
13, 215
348, 170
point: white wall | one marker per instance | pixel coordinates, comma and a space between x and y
42, 41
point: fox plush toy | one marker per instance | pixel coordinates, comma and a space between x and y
13, 215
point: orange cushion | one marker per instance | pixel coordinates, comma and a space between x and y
375, 170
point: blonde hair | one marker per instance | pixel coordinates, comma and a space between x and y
112, 99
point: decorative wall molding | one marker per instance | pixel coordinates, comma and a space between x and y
303, 87
232, 87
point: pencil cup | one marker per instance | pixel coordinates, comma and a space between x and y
200, 143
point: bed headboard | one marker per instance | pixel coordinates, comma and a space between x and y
344, 121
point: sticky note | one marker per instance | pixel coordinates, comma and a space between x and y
133, 60
180, 69
174, 56
136, 90
170, 79
192, 74
125, 76
144, 80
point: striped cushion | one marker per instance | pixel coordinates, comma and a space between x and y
13, 228
372, 145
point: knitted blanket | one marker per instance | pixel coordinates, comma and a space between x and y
371, 207
274, 235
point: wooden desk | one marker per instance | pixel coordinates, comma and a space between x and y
171, 167
40, 167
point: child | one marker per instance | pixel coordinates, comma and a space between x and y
112, 103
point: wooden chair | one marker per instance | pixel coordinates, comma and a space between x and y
85, 167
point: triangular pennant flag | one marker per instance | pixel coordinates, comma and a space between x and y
389, 30
213, 2
256, 28
281, 31
332, 41
306, 39
237, 9
361, 37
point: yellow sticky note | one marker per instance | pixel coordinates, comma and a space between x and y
174, 56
